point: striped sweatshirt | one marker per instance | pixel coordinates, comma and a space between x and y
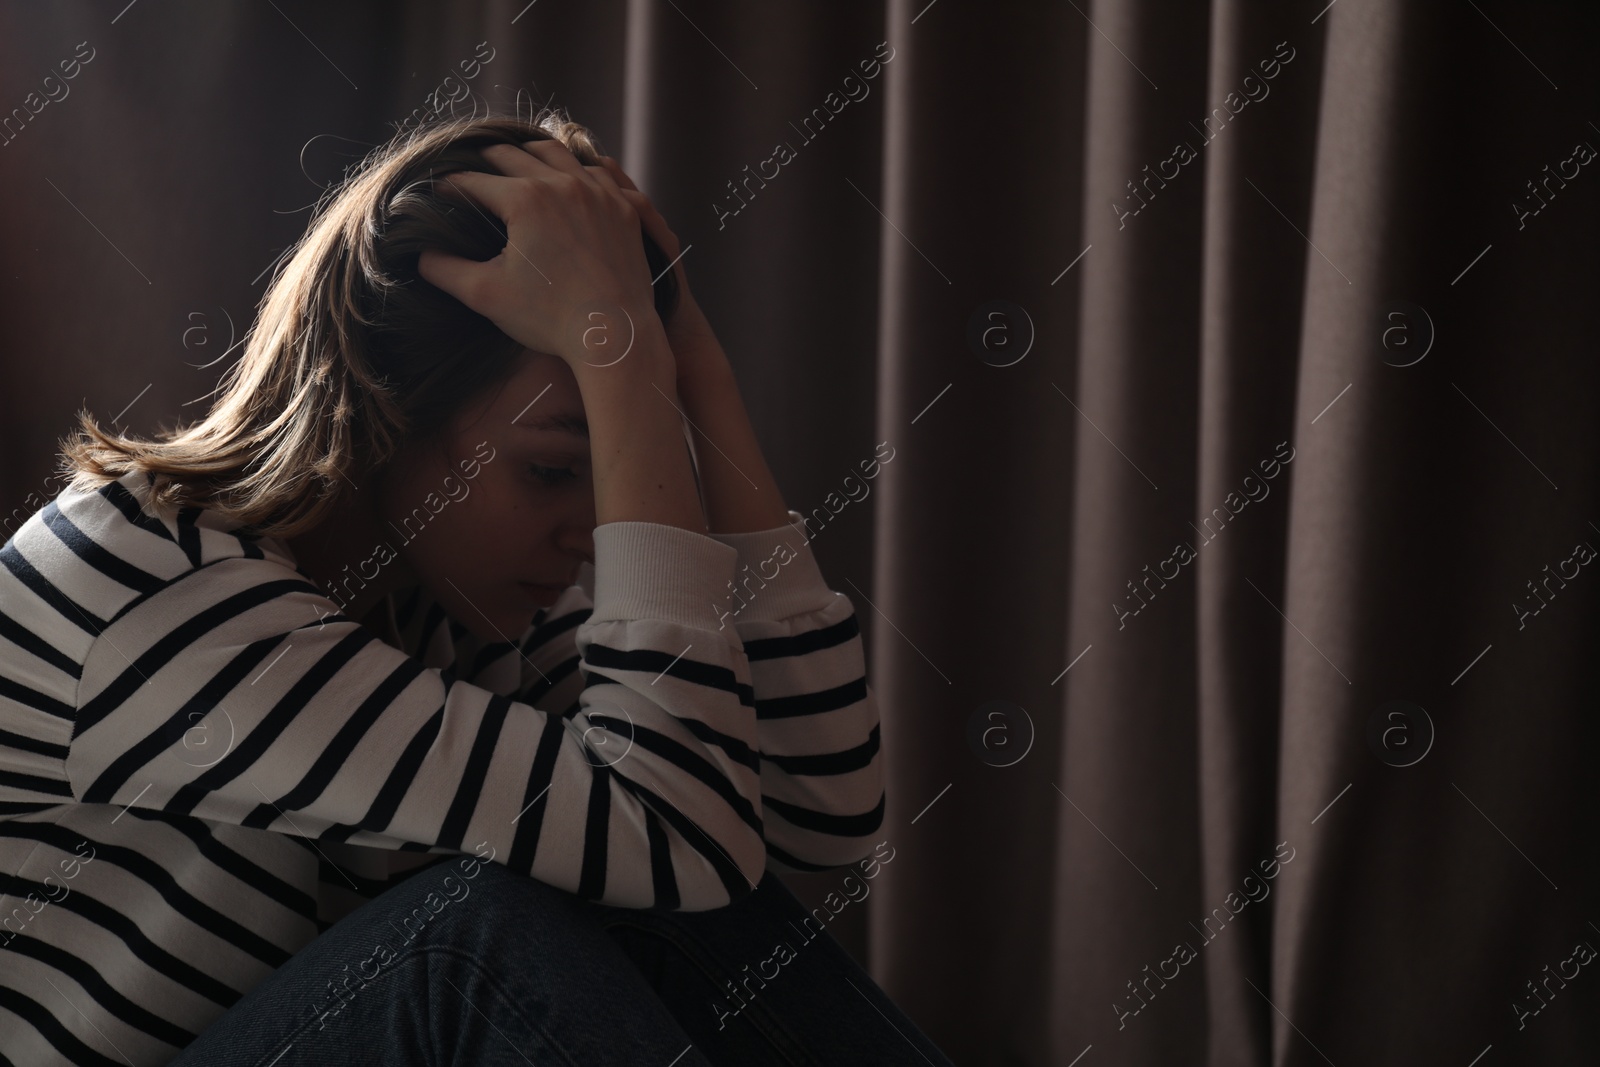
203, 764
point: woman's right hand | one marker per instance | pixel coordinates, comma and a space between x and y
573, 249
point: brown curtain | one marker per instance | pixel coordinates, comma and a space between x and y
1226, 592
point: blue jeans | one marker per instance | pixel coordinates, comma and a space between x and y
496, 968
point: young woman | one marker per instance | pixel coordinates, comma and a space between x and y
412, 707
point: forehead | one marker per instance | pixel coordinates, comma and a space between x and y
542, 394
567, 422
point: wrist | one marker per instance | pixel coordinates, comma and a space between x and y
641, 465
611, 337
705, 381
697, 353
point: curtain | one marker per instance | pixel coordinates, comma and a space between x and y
1225, 584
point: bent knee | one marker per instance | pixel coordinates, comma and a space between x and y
485, 891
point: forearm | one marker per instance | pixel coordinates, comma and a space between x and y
822, 775
642, 473
740, 492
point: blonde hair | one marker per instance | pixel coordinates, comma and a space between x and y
352, 353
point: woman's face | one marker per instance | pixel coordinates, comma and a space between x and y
504, 503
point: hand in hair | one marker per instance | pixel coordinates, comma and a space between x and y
572, 247
654, 225
693, 343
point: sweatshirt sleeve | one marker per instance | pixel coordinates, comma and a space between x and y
817, 722
238, 694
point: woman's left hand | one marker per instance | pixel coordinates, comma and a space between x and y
688, 334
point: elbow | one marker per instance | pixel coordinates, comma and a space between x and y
727, 877
752, 863
808, 841
865, 859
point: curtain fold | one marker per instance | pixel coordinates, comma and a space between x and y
1252, 273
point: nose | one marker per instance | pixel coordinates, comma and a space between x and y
577, 540
575, 528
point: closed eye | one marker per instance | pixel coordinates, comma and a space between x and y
552, 475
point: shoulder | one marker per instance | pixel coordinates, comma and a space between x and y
118, 531
90, 556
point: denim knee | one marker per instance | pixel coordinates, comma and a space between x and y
461, 909
479, 905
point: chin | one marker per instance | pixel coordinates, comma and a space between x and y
500, 622
502, 626
499, 614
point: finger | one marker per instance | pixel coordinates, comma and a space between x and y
603, 176
641, 204
651, 220
618, 173
453, 274
560, 157
532, 157
646, 210
479, 191
442, 186
515, 161
537, 159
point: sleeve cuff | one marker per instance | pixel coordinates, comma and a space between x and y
650, 570
782, 579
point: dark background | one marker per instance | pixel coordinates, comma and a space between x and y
1251, 301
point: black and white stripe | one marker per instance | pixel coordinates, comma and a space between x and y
243, 766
